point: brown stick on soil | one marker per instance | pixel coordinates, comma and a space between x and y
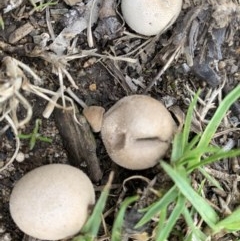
79, 142
107, 9
109, 26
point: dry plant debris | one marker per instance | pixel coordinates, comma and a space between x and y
58, 54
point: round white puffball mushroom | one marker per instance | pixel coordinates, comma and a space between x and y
52, 202
137, 131
150, 17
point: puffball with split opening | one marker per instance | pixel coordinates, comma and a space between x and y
52, 202
150, 17
137, 131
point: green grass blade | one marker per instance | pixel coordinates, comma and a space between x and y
156, 208
91, 228
35, 134
118, 223
218, 116
25, 136
203, 208
192, 157
2, 24
196, 233
162, 220
231, 223
177, 149
215, 157
163, 232
193, 142
180, 141
45, 139
210, 178
188, 120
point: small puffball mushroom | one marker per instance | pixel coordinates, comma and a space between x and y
137, 132
150, 17
52, 201
94, 116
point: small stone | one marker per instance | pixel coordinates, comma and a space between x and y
20, 157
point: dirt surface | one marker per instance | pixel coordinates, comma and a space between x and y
201, 50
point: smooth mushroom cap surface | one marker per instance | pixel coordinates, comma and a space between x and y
150, 17
137, 131
52, 202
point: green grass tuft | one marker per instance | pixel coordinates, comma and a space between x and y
186, 203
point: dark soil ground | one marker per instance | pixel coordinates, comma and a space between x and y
204, 45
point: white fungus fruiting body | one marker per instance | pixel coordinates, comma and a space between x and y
137, 132
52, 202
150, 17
94, 116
